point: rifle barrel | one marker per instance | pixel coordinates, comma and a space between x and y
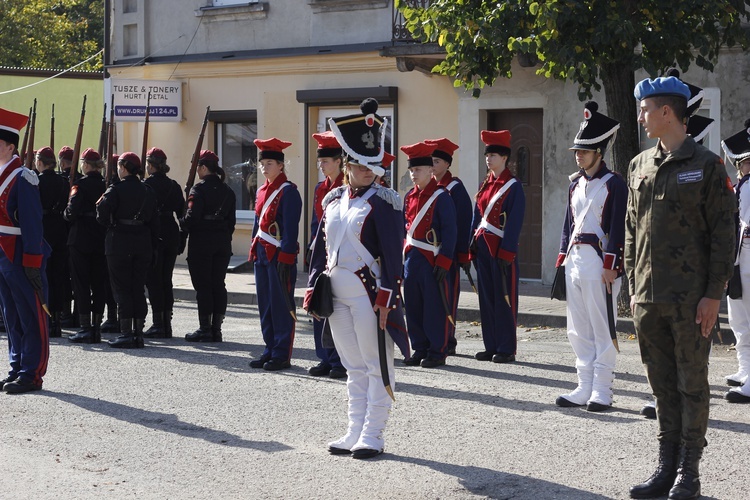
77, 147
196, 155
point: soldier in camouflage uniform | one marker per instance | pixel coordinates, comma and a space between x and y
679, 234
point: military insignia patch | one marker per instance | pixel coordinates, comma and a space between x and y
690, 177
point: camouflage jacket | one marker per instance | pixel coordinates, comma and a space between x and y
679, 227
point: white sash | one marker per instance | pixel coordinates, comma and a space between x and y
10, 229
451, 185
346, 213
262, 234
485, 223
589, 201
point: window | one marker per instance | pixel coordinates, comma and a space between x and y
130, 40
129, 6
235, 133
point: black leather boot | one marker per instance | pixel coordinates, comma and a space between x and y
86, 334
156, 331
663, 478
138, 325
168, 324
688, 483
203, 333
217, 321
96, 326
126, 339
55, 329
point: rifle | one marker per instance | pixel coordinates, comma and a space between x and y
26, 136
145, 135
110, 141
194, 160
103, 133
29, 163
77, 147
52, 129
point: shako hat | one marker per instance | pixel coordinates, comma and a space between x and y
420, 154
271, 149
328, 146
496, 141
696, 93
362, 136
662, 86
737, 147
11, 124
698, 127
596, 130
444, 149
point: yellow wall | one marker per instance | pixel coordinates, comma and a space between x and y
67, 96
427, 107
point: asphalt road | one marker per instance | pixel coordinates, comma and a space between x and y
182, 421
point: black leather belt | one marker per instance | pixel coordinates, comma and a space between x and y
130, 222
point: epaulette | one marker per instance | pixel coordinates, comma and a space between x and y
30, 176
334, 194
574, 176
391, 196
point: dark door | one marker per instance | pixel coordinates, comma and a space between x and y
525, 127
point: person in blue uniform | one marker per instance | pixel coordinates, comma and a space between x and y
53, 190
442, 159
359, 246
498, 217
273, 252
430, 223
128, 211
330, 163
170, 205
88, 264
591, 248
209, 222
23, 258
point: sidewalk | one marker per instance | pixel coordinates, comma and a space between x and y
536, 309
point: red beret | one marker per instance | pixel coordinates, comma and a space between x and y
208, 155
496, 138
65, 153
271, 149
419, 154
46, 153
387, 159
131, 158
91, 155
157, 154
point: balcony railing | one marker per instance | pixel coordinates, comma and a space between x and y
400, 33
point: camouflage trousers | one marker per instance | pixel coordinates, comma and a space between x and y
675, 356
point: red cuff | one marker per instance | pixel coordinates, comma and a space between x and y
308, 297
505, 255
31, 260
443, 261
560, 259
463, 258
610, 261
287, 258
384, 297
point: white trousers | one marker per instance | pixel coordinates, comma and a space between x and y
355, 333
739, 319
588, 332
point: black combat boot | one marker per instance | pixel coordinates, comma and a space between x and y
688, 483
111, 325
156, 331
168, 324
96, 325
55, 328
663, 478
203, 333
126, 339
86, 334
218, 320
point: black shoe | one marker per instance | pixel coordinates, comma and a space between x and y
736, 397
484, 355
127, 341
274, 365
320, 370
415, 359
200, 335
648, 411
503, 358
365, 453
596, 407
338, 451
258, 363
86, 336
7, 380
662, 480
432, 362
21, 385
155, 332
566, 403
733, 383
337, 373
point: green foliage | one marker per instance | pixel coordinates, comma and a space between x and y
51, 34
575, 40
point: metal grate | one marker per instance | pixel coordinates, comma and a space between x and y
400, 33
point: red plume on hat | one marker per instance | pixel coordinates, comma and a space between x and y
66, 153
271, 149
10, 125
387, 159
420, 154
91, 154
208, 155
